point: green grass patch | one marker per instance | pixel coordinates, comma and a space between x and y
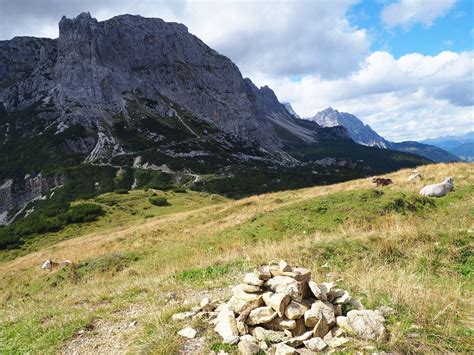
211, 272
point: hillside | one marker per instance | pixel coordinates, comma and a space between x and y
363, 134
143, 263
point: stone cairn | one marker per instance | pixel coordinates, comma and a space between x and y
278, 309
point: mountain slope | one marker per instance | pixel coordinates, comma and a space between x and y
139, 102
363, 134
386, 244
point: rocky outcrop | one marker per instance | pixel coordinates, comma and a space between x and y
296, 315
15, 195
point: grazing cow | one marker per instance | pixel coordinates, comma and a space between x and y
381, 181
415, 175
52, 265
438, 190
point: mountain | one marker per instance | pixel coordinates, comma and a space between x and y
363, 134
460, 145
289, 108
359, 132
139, 102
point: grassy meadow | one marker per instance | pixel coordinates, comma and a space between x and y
140, 262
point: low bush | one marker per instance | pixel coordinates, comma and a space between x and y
121, 192
84, 212
158, 201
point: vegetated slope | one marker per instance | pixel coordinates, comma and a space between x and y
140, 102
364, 134
389, 246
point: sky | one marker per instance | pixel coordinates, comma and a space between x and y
405, 67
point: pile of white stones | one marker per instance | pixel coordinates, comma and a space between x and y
279, 310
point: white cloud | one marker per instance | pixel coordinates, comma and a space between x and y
412, 97
277, 37
408, 12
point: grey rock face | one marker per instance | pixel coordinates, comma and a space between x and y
358, 131
18, 195
94, 68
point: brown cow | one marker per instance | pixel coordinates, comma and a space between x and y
381, 181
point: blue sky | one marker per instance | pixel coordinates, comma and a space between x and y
453, 31
405, 67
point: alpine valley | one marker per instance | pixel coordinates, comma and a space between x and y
138, 102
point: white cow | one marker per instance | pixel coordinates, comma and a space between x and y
51, 265
438, 190
414, 175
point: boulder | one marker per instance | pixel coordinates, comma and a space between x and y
326, 287
249, 288
242, 327
335, 342
278, 301
320, 310
226, 326
238, 305
263, 273
302, 274
299, 328
248, 337
297, 341
286, 285
321, 328
367, 324
188, 332
281, 323
343, 299
315, 344
261, 315
335, 293
241, 294
206, 305
284, 266
283, 349
295, 310
262, 334
319, 293
342, 323
253, 279
248, 348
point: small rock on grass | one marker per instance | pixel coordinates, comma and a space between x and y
188, 332
183, 315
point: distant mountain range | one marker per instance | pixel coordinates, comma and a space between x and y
363, 134
459, 145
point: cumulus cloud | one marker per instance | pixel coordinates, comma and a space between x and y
278, 37
412, 97
408, 12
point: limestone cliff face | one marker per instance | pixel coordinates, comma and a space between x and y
112, 76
